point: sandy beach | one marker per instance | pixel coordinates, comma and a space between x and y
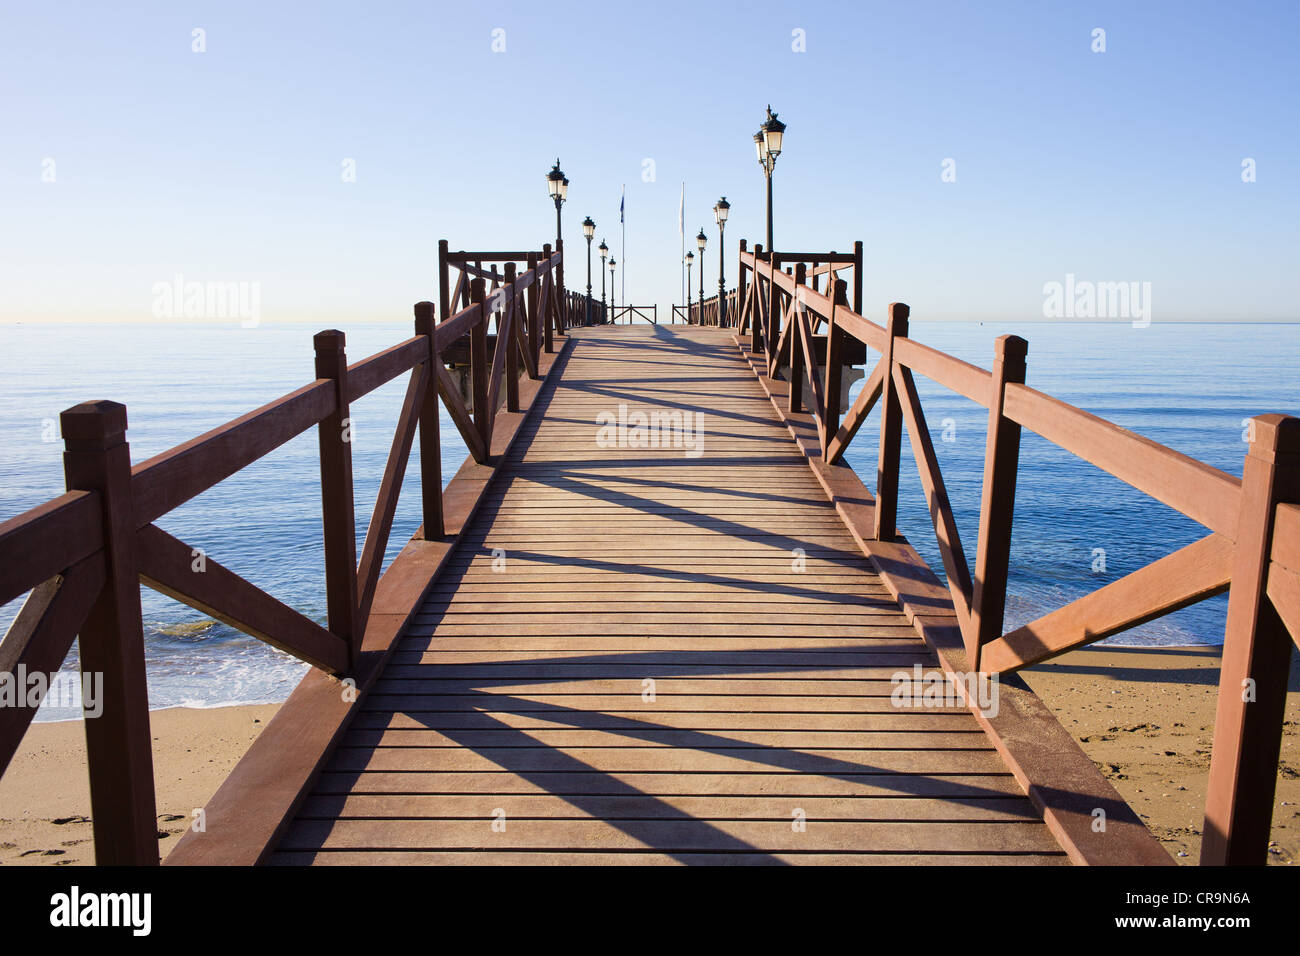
1145, 717
45, 794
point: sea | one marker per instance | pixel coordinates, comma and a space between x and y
1188, 386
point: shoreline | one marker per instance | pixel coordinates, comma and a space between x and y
1144, 715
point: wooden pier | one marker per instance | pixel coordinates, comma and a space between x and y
654, 617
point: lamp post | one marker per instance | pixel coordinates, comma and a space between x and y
588, 230
690, 261
701, 241
612, 288
767, 143
722, 209
557, 186
604, 251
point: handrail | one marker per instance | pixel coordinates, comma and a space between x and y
1252, 551
83, 554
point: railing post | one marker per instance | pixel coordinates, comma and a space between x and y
118, 741
533, 340
740, 289
755, 332
550, 308
337, 506
1256, 659
479, 369
891, 430
857, 277
509, 341
430, 436
448, 308
795, 397
834, 367
997, 502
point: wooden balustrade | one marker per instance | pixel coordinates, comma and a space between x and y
1253, 550
83, 555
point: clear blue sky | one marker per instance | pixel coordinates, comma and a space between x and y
226, 165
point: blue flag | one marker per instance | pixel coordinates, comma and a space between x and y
621, 200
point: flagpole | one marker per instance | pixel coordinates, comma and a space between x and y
623, 220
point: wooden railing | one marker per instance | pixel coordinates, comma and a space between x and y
83, 555
624, 314
706, 312
1252, 550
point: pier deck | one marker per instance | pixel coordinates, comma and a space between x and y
659, 654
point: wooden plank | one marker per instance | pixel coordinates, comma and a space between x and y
632, 858
671, 835
40, 636
170, 479
370, 373
1189, 575
1205, 494
168, 566
46, 540
936, 496
390, 487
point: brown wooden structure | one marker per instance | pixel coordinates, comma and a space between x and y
661, 642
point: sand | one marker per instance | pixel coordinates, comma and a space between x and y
45, 793
1145, 717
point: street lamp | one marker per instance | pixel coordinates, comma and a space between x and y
690, 261
767, 143
612, 287
722, 209
604, 251
557, 186
701, 241
588, 230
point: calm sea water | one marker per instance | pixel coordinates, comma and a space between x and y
1186, 386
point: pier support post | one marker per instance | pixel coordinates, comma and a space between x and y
118, 742
1256, 659
430, 436
337, 504
997, 502
891, 430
